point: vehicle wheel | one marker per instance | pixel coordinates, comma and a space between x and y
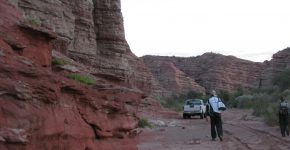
184, 116
201, 115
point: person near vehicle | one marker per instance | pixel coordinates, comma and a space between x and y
215, 116
284, 116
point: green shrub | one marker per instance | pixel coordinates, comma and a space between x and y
271, 115
282, 79
263, 104
175, 102
224, 95
58, 62
144, 123
33, 21
193, 95
82, 79
244, 101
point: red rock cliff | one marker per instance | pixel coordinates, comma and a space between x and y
213, 71
40, 107
280, 62
92, 32
169, 79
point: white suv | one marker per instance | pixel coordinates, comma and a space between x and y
193, 107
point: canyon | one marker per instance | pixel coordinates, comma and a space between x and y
42, 107
215, 71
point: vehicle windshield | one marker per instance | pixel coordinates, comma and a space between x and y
193, 102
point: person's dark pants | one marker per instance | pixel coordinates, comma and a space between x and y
284, 125
216, 125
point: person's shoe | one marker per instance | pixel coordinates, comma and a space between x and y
287, 133
221, 138
213, 139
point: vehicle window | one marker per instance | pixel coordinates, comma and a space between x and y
196, 102
193, 103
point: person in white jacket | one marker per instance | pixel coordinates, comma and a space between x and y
215, 116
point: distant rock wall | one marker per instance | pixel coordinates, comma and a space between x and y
279, 62
211, 71
169, 79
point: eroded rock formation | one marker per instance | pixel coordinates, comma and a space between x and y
211, 71
280, 62
92, 32
40, 107
168, 78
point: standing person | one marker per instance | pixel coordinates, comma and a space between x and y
284, 116
215, 116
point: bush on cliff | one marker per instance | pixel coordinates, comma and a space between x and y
34, 21
58, 62
143, 123
82, 79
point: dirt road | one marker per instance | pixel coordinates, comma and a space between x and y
242, 131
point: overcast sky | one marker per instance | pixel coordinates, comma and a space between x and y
248, 29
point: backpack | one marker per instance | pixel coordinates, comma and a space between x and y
221, 106
284, 109
209, 109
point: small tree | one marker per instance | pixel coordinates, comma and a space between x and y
193, 95
224, 95
282, 80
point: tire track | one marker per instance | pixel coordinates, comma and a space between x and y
240, 144
272, 141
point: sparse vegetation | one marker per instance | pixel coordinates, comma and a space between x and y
282, 80
143, 123
33, 21
82, 79
176, 102
263, 102
58, 62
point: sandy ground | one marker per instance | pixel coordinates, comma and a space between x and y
242, 131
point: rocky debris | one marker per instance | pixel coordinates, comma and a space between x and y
194, 141
158, 123
70, 68
172, 124
23, 60
13, 135
135, 132
2, 54
19, 89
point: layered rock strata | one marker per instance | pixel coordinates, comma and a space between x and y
92, 32
43, 107
280, 62
213, 71
169, 79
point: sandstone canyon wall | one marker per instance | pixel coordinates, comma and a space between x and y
280, 62
169, 79
40, 107
211, 71
92, 32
